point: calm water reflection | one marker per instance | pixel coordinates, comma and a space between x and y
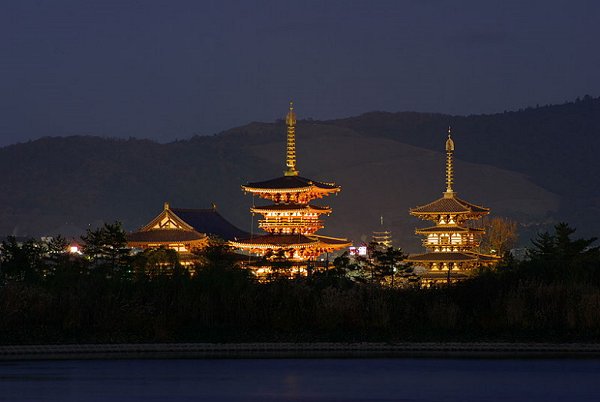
302, 380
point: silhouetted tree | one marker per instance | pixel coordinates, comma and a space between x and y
543, 248
154, 262
500, 236
278, 261
22, 261
57, 254
559, 247
106, 247
388, 263
217, 254
558, 255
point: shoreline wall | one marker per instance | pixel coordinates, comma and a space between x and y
298, 350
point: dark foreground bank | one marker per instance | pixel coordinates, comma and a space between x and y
298, 350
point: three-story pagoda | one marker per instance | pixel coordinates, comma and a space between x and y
452, 244
291, 222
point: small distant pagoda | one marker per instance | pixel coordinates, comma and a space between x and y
291, 221
452, 245
382, 237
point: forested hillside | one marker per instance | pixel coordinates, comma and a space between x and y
537, 166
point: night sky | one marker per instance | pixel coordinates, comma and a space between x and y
171, 69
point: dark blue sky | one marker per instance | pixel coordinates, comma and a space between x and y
171, 69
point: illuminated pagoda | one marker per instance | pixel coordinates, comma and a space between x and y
452, 245
291, 222
383, 237
184, 230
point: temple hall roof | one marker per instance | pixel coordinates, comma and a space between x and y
165, 236
211, 222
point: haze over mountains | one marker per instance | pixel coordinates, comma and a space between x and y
537, 165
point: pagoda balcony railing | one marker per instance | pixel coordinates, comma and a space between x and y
295, 197
290, 229
462, 244
298, 222
303, 231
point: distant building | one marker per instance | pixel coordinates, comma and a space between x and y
291, 222
383, 237
452, 245
184, 230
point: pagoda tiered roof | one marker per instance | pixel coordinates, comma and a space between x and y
333, 241
448, 229
453, 256
449, 204
290, 241
290, 184
291, 208
270, 240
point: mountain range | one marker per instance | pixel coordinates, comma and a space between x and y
538, 166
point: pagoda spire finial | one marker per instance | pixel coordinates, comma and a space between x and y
290, 157
449, 164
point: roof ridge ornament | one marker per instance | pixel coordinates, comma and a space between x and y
449, 165
290, 157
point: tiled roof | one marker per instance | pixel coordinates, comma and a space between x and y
451, 256
293, 240
211, 222
450, 204
333, 240
290, 182
279, 240
290, 207
444, 257
448, 229
165, 236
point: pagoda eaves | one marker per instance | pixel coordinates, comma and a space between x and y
449, 204
291, 189
295, 247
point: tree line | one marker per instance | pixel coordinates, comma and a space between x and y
106, 295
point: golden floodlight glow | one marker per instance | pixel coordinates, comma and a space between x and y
291, 222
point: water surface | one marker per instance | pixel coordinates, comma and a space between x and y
313, 380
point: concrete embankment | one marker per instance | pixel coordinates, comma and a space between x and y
297, 350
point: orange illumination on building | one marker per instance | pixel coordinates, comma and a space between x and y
291, 222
